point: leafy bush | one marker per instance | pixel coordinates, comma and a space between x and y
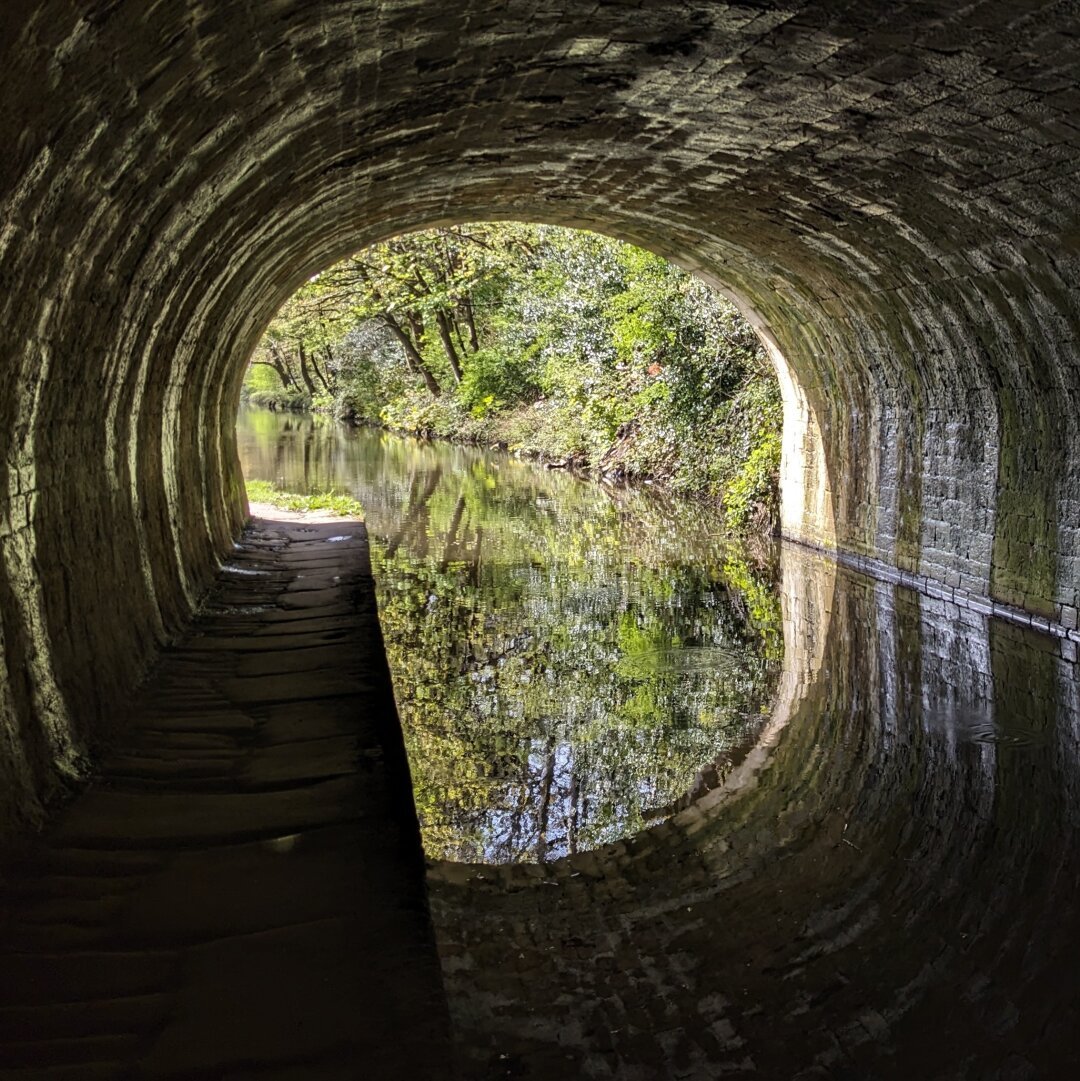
492, 381
569, 345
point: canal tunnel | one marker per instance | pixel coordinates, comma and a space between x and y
891, 192
888, 191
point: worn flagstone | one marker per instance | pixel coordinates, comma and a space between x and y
240, 892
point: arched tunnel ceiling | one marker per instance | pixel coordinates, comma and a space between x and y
890, 188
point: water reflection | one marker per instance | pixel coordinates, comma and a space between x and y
571, 663
885, 888
883, 884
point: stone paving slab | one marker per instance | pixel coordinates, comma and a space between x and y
240, 894
287, 688
83, 1020
206, 645
292, 659
288, 722
322, 1003
41, 980
139, 819
301, 760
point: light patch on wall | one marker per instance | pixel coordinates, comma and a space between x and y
806, 511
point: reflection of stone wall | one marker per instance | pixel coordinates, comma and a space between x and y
889, 188
878, 894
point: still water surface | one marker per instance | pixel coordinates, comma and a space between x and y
885, 886
571, 662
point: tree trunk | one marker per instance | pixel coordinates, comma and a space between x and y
572, 828
417, 506
448, 344
451, 534
470, 322
284, 368
456, 327
319, 372
415, 360
545, 802
304, 373
282, 372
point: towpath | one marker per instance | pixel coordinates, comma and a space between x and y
239, 896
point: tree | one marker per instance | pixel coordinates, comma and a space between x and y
426, 288
560, 342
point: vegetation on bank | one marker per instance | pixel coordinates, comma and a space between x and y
569, 660
262, 491
554, 343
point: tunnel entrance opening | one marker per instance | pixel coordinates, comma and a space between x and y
892, 189
573, 661
559, 344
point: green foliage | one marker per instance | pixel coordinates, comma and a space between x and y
281, 398
261, 379
754, 482
417, 412
556, 342
261, 491
493, 381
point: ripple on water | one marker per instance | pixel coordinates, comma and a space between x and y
982, 726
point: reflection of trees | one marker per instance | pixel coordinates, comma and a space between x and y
566, 657
555, 693
416, 517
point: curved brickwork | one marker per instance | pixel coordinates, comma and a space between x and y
878, 891
889, 189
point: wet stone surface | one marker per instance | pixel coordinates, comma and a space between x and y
239, 894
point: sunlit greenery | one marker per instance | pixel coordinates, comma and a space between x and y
261, 491
553, 342
566, 657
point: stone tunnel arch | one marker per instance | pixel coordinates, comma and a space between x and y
892, 192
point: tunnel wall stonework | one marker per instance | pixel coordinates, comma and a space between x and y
889, 190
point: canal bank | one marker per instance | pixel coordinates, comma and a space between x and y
239, 893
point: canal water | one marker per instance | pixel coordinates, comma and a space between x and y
877, 878
571, 662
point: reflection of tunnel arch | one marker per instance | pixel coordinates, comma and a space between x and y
875, 891
891, 191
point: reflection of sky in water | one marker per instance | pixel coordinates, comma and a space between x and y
566, 658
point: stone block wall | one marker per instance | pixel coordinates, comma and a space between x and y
890, 189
